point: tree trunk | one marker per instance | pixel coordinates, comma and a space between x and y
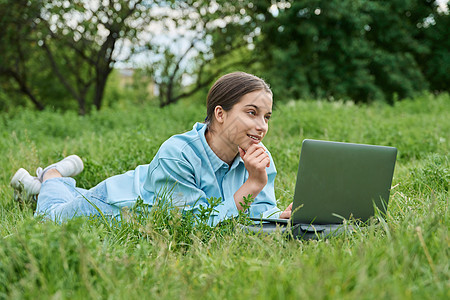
80, 97
103, 67
33, 99
24, 89
81, 108
100, 84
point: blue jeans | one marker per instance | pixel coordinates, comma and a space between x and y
59, 199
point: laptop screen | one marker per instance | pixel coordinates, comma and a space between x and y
342, 180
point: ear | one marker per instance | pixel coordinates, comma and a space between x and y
219, 114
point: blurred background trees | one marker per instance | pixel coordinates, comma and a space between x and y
74, 43
354, 49
60, 54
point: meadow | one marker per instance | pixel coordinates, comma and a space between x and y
156, 254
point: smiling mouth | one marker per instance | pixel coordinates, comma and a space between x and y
254, 137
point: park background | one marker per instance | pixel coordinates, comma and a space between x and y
111, 80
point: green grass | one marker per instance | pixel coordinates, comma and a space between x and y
160, 254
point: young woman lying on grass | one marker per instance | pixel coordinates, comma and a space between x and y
222, 158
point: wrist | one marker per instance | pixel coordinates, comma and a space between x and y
254, 185
249, 187
257, 181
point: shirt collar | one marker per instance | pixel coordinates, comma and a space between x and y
215, 161
238, 159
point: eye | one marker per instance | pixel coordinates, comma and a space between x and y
252, 112
268, 117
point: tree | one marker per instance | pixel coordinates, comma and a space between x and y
54, 52
95, 38
435, 63
362, 50
80, 40
16, 31
203, 39
395, 35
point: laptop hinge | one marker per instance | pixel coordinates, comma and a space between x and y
316, 227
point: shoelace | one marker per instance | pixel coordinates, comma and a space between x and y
40, 173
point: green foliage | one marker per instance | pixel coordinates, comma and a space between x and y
358, 50
212, 40
206, 212
244, 217
435, 63
60, 54
159, 252
122, 90
26, 78
433, 175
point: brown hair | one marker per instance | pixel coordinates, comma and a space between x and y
229, 89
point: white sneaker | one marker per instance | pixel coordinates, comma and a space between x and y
68, 167
22, 180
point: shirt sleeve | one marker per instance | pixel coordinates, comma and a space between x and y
175, 179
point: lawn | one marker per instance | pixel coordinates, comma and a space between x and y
162, 255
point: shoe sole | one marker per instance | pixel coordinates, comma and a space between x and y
76, 160
15, 180
32, 188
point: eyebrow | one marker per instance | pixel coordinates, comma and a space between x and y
257, 108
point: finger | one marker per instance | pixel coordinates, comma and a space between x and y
257, 157
254, 148
257, 160
241, 152
285, 215
258, 154
264, 162
268, 162
253, 158
263, 157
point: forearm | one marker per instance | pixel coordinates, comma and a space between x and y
248, 188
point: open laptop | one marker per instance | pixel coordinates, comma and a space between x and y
337, 181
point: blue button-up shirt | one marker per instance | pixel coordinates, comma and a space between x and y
189, 172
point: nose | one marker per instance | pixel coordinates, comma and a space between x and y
261, 125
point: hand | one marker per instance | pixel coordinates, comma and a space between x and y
256, 160
286, 214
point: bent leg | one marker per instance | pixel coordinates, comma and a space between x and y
52, 173
59, 200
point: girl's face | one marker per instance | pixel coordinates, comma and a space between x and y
248, 120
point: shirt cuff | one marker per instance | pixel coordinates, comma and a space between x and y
273, 213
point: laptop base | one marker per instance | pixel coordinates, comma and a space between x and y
299, 231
